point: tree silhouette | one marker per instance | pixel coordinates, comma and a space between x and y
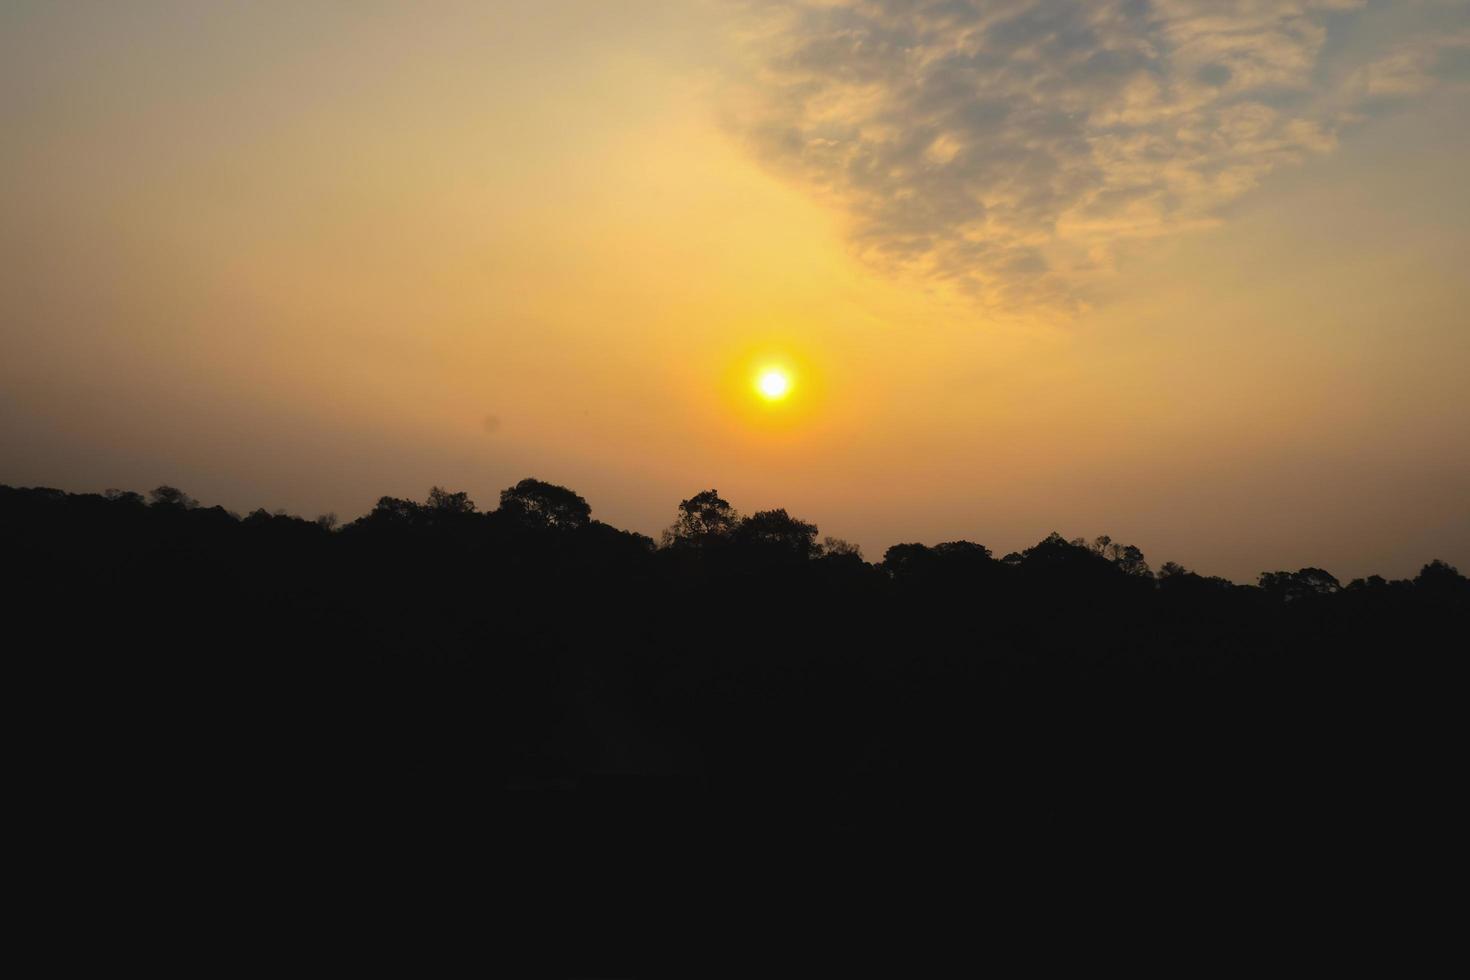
1127, 557
396, 510
1442, 580
541, 504
534, 646
130, 497
442, 501
778, 531
167, 496
704, 519
1299, 584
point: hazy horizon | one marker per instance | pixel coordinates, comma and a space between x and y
1189, 274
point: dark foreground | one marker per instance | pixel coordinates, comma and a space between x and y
428, 658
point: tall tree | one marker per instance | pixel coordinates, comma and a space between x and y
540, 504
703, 519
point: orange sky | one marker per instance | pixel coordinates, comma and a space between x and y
1191, 276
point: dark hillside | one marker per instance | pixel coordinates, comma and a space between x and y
533, 647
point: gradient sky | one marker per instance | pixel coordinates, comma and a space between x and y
1189, 273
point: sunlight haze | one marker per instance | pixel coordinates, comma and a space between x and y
1189, 274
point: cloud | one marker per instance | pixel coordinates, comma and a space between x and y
1418, 65
1007, 148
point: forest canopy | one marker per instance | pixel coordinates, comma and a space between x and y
536, 640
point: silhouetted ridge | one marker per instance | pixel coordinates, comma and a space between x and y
533, 643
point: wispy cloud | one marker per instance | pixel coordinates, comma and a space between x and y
1417, 65
1008, 147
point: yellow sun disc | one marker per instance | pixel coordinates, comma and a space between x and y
773, 384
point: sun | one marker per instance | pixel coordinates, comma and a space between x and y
773, 384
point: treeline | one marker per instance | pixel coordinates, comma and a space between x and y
705, 524
532, 642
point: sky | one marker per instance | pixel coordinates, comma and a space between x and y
1191, 273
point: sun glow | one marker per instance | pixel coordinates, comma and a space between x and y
773, 384
772, 392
